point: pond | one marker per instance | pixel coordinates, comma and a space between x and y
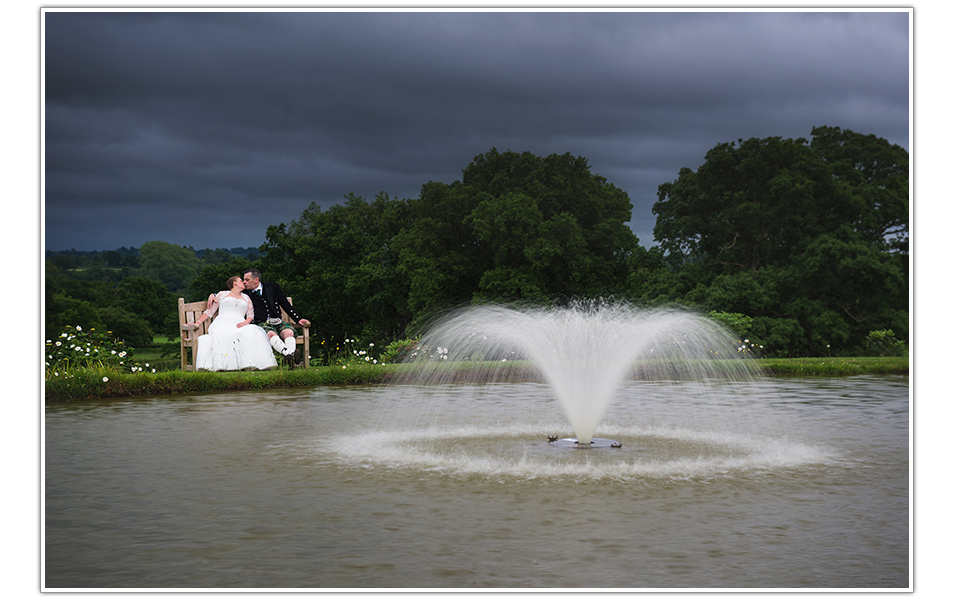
772, 484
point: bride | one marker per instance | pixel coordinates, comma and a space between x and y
232, 344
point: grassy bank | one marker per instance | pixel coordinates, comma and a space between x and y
85, 384
94, 383
834, 367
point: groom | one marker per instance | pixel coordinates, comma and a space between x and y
268, 301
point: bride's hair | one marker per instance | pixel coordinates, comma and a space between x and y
231, 282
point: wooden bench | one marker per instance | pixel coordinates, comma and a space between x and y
189, 313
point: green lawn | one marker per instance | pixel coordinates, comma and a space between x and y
835, 366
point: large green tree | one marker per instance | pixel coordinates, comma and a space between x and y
438, 254
874, 176
341, 268
749, 205
515, 227
808, 236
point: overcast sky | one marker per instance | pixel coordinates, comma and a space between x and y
202, 129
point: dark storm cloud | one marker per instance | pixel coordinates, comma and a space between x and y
204, 128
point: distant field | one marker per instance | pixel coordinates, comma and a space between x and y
153, 354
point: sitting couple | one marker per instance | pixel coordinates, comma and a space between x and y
248, 327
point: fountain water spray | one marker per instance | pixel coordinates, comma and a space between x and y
584, 350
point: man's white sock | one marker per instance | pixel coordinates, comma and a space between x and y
277, 344
289, 346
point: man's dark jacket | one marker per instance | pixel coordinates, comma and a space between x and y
270, 302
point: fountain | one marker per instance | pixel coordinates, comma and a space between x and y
583, 351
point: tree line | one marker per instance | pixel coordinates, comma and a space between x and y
115, 265
131, 292
805, 238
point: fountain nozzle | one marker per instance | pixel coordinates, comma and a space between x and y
576, 443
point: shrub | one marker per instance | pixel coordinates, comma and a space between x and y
398, 350
884, 343
76, 349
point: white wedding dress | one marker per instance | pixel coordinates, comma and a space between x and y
230, 348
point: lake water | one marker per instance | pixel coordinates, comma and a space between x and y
771, 484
